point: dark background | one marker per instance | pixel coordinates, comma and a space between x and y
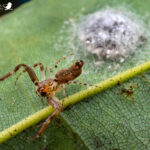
15, 4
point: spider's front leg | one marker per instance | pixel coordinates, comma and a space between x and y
29, 70
57, 105
34, 66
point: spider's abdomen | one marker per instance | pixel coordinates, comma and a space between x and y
69, 74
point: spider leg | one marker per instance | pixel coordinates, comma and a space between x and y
63, 87
76, 82
34, 66
36, 92
29, 70
63, 58
56, 104
56, 65
51, 71
86, 84
64, 91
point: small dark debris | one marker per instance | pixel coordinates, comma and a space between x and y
45, 147
15, 130
86, 100
98, 143
11, 134
142, 38
69, 107
127, 91
58, 120
118, 93
119, 83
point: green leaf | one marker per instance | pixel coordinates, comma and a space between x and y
37, 32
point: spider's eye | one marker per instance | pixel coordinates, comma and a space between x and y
43, 93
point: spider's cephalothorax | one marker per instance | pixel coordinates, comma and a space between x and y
48, 87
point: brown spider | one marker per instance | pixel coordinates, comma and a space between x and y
48, 87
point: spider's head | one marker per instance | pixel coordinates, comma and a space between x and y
47, 87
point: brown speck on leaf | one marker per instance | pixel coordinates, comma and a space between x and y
118, 93
97, 142
129, 92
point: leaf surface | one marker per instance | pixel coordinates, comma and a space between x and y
38, 32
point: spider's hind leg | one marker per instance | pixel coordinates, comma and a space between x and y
57, 105
85, 84
63, 58
51, 71
76, 82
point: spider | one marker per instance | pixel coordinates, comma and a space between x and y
48, 87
